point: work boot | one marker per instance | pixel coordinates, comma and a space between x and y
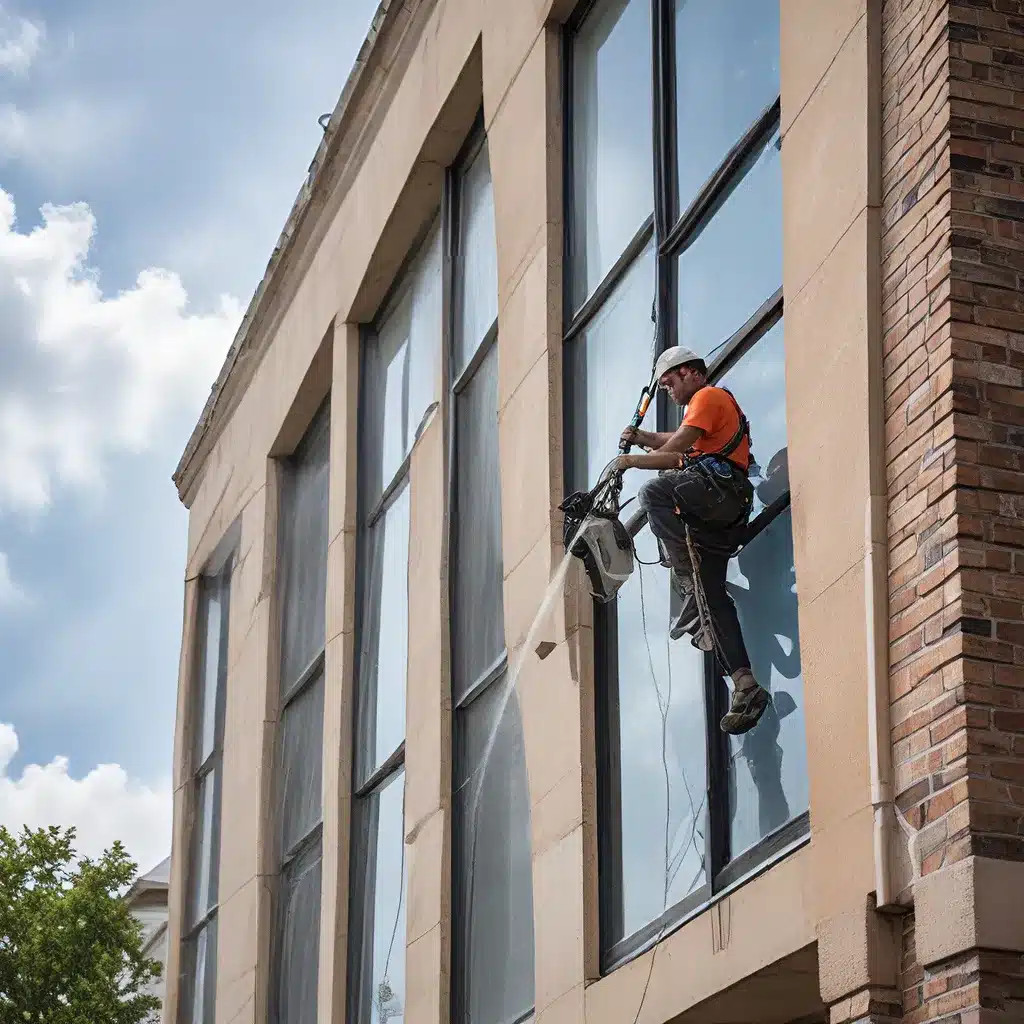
749, 701
688, 619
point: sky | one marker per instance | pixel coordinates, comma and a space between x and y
149, 156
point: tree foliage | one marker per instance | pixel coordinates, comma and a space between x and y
70, 950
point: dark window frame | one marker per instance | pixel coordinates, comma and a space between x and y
288, 694
216, 580
671, 230
362, 861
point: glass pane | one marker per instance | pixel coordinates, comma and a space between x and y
607, 366
384, 634
494, 943
613, 177
662, 761
200, 986
302, 744
735, 263
476, 275
758, 382
768, 766
380, 920
303, 552
200, 982
205, 846
425, 335
298, 940
207, 726
388, 396
727, 72
479, 605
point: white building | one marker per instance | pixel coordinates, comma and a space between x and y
147, 899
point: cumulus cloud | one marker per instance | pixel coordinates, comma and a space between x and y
10, 593
20, 41
103, 805
87, 375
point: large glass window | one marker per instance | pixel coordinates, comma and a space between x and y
676, 217
302, 595
401, 377
199, 953
493, 947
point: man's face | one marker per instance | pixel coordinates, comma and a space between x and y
682, 384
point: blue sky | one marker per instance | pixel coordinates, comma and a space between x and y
166, 141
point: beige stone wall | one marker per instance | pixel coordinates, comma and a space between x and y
437, 63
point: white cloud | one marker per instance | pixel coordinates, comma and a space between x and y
60, 138
10, 593
103, 805
20, 41
87, 375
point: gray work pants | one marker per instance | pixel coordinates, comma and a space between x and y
715, 505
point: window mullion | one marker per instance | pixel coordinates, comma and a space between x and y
390, 766
722, 179
619, 270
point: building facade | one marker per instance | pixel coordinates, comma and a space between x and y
416, 781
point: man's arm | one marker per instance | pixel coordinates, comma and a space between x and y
646, 438
682, 440
669, 455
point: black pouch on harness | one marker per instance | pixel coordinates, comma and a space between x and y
600, 542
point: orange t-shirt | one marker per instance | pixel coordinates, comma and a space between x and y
715, 413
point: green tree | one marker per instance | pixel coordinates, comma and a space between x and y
70, 950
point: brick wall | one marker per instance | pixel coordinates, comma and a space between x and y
977, 988
953, 335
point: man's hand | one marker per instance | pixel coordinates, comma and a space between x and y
633, 435
622, 463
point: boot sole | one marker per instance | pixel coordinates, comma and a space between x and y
742, 722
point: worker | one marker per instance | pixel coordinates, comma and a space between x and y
702, 488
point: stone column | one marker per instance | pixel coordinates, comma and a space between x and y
339, 676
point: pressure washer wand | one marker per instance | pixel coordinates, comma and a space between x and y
638, 417
615, 485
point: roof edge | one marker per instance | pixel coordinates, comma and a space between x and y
346, 124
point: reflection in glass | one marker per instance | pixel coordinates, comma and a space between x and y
768, 766
476, 278
718, 99
613, 183
303, 553
201, 966
734, 264
403, 371
662, 744
384, 637
298, 955
301, 770
758, 382
205, 847
382, 925
606, 367
495, 943
211, 670
479, 603
424, 334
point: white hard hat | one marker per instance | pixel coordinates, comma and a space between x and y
673, 357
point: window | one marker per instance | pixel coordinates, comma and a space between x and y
199, 960
302, 594
401, 376
493, 948
675, 237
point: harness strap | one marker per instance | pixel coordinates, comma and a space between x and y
741, 433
